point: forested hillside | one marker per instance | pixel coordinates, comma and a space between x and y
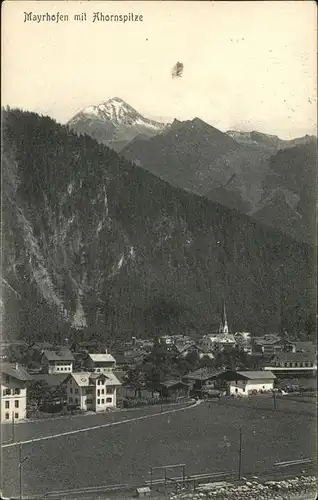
89, 240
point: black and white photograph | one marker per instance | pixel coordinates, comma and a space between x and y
158, 250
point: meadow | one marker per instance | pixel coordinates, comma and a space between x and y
205, 438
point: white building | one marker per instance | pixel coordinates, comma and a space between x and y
245, 382
293, 363
58, 361
217, 341
92, 391
100, 363
166, 340
13, 392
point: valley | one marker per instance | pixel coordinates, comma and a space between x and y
91, 240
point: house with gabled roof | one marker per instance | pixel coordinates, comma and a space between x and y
92, 391
271, 344
293, 363
42, 346
100, 362
202, 377
13, 392
175, 389
59, 360
247, 381
184, 348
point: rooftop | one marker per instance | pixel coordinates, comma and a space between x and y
295, 356
257, 374
42, 345
172, 383
222, 338
16, 371
184, 346
268, 341
121, 358
63, 354
231, 375
202, 374
120, 375
99, 357
85, 379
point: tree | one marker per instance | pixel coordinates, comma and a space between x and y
161, 360
193, 359
59, 392
153, 376
39, 391
135, 378
13, 354
233, 359
24, 355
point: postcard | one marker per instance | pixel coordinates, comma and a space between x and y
158, 293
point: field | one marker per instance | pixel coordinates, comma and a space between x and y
204, 437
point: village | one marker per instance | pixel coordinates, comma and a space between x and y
43, 380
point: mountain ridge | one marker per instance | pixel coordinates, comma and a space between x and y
117, 109
202, 159
192, 146
269, 141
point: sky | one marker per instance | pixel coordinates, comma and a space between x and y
247, 65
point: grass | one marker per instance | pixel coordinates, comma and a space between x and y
39, 428
205, 438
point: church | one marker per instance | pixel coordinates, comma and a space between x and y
221, 339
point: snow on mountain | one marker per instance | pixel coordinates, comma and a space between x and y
117, 111
114, 123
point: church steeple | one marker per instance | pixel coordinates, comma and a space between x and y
221, 327
224, 327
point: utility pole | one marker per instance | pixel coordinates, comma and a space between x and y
20, 471
274, 398
240, 454
161, 398
165, 481
21, 460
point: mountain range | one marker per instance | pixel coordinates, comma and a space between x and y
93, 241
234, 168
116, 123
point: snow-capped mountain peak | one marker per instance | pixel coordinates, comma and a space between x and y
114, 123
118, 112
